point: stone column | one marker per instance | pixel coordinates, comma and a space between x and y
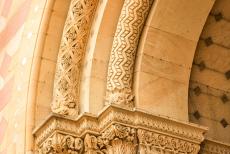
122, 58
70, 56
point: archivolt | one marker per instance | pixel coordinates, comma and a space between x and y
71, 53
121, 63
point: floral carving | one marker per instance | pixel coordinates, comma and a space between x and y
121, 63
118, 139
71, 53
62, 144
119, 130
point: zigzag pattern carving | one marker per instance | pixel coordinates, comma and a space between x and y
71, 53
121, 64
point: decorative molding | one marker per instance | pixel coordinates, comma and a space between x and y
115, 139
116, 129
214, 147
71, 52
121, 63
55, 122
155, 143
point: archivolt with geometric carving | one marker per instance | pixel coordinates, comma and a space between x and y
71, 53
121, 63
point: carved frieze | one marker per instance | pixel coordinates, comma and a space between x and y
214, 147
117, 130
156, 143
70, 56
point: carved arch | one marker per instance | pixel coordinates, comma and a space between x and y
66, 99
121, 64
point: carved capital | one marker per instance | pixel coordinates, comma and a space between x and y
119, 139
61, 144
114, 140
122, 97
117, 130
92, 145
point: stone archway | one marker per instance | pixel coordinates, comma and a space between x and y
146, 106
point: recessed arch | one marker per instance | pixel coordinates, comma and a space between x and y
93, 82
165, 56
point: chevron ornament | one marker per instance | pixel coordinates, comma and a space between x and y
121, 64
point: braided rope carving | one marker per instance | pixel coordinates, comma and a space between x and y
71, 53
121, 64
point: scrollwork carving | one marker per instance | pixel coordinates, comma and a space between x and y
116, 139
151, 142
71, 53
121, 63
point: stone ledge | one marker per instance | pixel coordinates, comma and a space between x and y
113, 114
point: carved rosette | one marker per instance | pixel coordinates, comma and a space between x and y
71, 53
155, 143
121, 63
